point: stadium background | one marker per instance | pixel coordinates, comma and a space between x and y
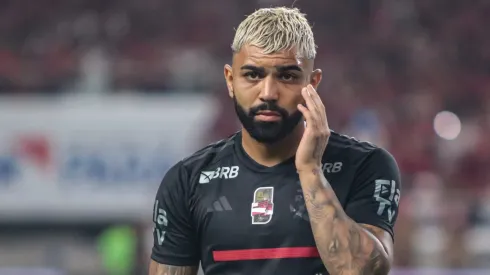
100, 97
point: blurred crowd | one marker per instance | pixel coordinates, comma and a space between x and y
390, 67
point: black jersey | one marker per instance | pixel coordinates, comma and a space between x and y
235, 216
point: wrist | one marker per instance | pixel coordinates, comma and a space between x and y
312, 170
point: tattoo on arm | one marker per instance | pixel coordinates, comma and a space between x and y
318, 152
161, 269
344, 246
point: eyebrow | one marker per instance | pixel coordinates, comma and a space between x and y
280, 68
289, 68
253, 68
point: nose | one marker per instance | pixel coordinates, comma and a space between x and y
269, 90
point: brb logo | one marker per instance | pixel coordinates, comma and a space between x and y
219, 173
26, 154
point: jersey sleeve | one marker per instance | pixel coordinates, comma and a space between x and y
375, 193
174, 238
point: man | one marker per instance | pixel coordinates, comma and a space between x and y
286, 195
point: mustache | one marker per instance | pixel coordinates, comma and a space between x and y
268, 106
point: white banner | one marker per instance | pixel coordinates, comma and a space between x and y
93, 158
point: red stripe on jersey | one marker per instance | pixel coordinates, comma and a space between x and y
264, 254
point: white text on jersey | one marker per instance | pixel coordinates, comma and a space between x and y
220, 172
332, 167
161, 222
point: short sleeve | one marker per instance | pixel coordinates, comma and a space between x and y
174, 240
375, 194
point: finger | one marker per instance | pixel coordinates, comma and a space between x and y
315, 116
310, 104
319, 104
315, 96
310, 121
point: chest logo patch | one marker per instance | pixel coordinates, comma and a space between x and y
262, 205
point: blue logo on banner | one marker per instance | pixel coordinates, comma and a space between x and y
8, 170
109, 168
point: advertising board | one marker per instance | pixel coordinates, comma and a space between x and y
78, 158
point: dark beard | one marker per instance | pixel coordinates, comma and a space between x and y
267, 131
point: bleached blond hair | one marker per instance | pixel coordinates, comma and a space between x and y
276, 29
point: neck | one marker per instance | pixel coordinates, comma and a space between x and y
275, 153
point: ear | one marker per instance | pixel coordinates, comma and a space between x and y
316, 78
228, 72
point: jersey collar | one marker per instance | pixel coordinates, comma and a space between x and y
287, 165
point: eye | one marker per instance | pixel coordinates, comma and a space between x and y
252, 75
287, 77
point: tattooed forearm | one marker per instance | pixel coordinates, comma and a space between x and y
344, 246
318, 151
161, 269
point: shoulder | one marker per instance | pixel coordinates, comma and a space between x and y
345, 143
181, 174
206, 156
361, 154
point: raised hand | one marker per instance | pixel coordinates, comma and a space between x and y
316, 135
